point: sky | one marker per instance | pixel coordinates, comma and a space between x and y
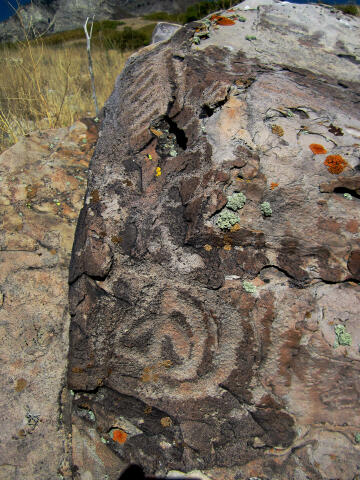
6, 10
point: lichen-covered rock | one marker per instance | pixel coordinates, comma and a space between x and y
42, 182
169, 344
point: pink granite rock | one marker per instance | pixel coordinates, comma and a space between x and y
43, 179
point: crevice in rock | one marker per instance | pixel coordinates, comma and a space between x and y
300, 284
331, 282
181, 138
92, 391
342, 190
240, 401
209, 110
351, 58
293, 280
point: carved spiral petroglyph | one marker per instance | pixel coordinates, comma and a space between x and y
194, 350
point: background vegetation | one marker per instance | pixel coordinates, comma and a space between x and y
45, 83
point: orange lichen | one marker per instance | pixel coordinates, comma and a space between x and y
277, 130
273, 185
220, 20
156, 132
119, 436
20, 384
335, 164
225, 21
317, 149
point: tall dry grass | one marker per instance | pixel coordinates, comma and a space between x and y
48, 86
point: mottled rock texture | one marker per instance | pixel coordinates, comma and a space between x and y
42, 179
52, 16
176, 364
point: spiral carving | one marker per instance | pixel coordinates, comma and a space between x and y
189, 350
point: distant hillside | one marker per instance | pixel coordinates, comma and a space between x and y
53, 16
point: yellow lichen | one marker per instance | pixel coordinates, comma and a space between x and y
277, 130
235, 228
20, 384
166, 422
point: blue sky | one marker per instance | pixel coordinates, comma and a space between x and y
6, 10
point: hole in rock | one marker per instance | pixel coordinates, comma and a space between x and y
207, 110
342, 190
181, 138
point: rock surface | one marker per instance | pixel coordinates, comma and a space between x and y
229, 351
43, 179
164, 31
52, 16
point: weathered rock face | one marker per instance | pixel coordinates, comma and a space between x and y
233, 350
59, 15
43, 179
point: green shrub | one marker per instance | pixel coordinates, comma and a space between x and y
194, 12
162, 17
350, 9
126, 39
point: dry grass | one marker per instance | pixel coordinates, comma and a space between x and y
48, 86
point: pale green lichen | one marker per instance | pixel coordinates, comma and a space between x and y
227, 219
348, 196
266, 209
173, 153
241, 19
250, 37
357, 437
236, 201
249, 287
91, 415
342, 336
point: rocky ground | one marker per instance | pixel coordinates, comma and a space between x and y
43, 181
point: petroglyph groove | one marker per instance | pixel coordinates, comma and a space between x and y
196, 351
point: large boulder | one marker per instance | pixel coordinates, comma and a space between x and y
43, 180
214, 280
